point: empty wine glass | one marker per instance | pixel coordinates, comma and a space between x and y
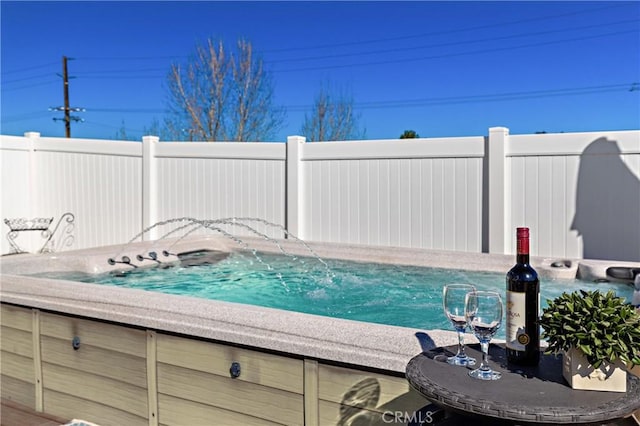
453, 300
483, 310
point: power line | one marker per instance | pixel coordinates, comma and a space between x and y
123, 77
17, 80
450, 55
112, 126
499, 97
401, 103
448, 44
391, 104
119, 71
35, 67
129, 58
25, 116
437, 33
378, 40
104, 73
129, 110
44, 83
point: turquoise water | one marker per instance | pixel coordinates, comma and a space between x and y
388, 294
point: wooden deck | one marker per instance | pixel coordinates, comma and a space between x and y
14, 414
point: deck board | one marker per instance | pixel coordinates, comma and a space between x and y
14, 414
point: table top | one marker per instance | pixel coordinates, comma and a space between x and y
537, 395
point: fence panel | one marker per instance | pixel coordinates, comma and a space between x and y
16, 195
579, 193
97, 181
209, 181
422, 193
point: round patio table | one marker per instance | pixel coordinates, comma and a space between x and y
533, 395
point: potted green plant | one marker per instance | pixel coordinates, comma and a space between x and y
598, 335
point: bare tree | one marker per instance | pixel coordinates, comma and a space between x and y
220, 97
332, 117
121, 134
155, 128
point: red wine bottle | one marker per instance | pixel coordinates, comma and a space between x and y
523, 306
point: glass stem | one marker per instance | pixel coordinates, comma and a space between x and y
461, 344
485, 353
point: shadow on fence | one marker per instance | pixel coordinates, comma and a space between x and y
607, 204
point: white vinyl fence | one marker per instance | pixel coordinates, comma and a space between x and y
578, 192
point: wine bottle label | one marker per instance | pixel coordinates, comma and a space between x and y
516, 335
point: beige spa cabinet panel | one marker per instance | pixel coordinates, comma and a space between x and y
256, 367
17, 367
19, 391
180, 412
95, 361
106, 373
17, 342
16, 317
100, 389
73, 407
229, 394
17, 364
347, 396
94, 333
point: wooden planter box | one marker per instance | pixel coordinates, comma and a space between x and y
581, 375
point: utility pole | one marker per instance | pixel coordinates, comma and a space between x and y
66, 108
67, 115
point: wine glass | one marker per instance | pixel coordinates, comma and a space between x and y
453, 300
483, 310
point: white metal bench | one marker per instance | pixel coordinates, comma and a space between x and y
42, 225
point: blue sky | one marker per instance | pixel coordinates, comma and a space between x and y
439, 68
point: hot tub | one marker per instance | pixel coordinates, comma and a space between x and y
124, 356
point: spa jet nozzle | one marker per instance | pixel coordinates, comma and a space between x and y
152, 256
125, 260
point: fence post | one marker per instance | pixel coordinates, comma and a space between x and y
294, 201
149, 186
498, 189
34, 195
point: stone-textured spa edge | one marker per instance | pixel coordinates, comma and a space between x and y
303, 335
